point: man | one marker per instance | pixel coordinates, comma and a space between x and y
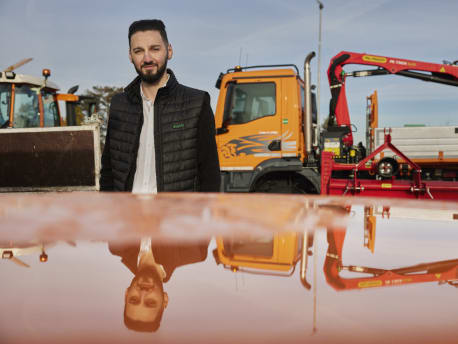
161, 134
153, 264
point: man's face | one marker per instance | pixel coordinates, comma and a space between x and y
149, 54
145, 297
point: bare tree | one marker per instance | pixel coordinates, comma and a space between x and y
103, 95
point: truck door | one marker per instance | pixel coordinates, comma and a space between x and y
251, 124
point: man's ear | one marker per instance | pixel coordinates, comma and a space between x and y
169, 52
166, 300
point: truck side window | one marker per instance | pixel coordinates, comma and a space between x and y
5, 101
26, 111
248, 102
51, 118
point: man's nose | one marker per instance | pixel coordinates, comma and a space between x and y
146, 286
147, 57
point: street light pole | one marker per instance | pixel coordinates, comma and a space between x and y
321, 6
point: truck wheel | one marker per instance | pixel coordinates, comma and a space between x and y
290, 185
387, 167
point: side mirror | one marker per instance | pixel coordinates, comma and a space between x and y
222, 130
72, 90
219, 80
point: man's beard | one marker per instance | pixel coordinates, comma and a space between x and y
152, 78
148, 272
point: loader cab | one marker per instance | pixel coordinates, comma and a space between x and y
28, 102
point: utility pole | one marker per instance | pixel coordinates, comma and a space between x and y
321, 6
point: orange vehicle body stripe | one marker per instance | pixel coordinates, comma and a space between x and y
42, 111
13, 95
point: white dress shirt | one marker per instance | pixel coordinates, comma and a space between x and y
145, 249
145, 181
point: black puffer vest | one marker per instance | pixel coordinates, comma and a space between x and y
176, 118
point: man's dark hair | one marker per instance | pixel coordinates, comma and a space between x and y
149, 24
143, 326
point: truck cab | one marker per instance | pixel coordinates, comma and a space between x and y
277, 254
260, 131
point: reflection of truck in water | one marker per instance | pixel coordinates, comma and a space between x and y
37, 151
278, 254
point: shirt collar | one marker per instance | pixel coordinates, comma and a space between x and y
145, 248
144, 98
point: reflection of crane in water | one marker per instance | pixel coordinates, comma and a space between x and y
444, 272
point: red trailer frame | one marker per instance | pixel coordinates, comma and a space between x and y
398, 188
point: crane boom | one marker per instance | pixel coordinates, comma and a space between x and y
446, 73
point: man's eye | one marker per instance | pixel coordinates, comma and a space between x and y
150, 304
134, 300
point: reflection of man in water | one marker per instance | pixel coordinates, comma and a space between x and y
153, 265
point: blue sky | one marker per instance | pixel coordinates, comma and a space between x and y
85, 43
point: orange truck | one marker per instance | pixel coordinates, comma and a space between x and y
269, 140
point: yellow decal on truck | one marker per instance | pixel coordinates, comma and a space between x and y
386, 186
370, 284
332, 145
378, 59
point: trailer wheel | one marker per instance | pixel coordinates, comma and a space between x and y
387, 167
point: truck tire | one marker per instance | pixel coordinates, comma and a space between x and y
284, 184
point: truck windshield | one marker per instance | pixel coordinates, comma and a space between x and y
249, 102
5, 104
26, 110
51, 118
258, 247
